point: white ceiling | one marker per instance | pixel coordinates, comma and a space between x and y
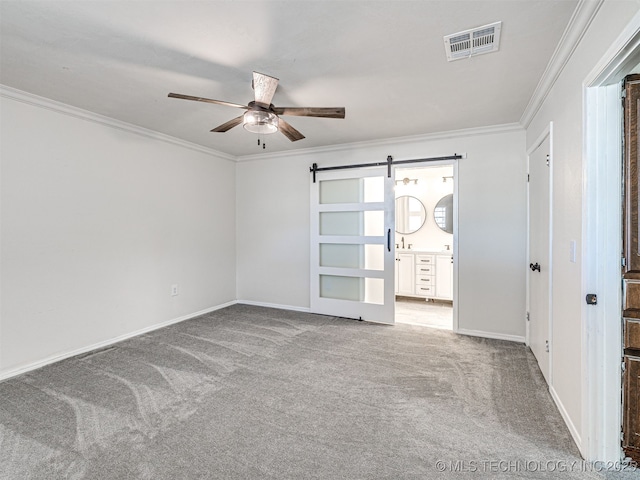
384, 61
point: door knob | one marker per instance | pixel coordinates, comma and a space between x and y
534, 267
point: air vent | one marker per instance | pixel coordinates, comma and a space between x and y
472, 42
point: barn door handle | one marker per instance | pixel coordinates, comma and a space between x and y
534, 267
389, 240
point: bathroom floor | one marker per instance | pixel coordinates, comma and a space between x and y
416, 311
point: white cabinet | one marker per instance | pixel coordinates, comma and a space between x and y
423, 274
405, 274
444, 277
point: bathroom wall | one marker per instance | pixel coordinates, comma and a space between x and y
429, 190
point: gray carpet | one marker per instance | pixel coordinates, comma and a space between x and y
252, 393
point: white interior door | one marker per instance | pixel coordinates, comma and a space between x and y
352, 244
539, 254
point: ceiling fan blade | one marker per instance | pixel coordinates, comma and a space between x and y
264, 87
229, 125
330, 112
207, 100
288, 131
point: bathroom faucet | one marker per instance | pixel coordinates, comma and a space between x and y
403, 242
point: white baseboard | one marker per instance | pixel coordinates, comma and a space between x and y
274, 305
495, 336
105, 343
565, 416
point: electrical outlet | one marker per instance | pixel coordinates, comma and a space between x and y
174, 290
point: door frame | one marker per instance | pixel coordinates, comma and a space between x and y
439, 163
602, 247
547, 132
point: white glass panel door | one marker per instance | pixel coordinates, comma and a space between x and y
352, 239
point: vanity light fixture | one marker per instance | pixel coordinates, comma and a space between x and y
407, 181
260, 121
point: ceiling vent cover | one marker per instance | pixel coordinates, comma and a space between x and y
476, 41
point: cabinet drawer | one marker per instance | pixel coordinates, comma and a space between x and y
424, 290
424, 259
631, 333
425, 280
424, 269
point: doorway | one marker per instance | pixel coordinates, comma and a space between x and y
425, 245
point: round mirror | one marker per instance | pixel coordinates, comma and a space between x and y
443, 213
410, 214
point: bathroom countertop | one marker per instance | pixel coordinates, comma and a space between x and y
424, 251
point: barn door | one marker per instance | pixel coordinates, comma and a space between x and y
352, 244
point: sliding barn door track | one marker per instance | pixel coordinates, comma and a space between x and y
389, 163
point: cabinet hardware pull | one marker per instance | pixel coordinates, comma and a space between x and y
389, 240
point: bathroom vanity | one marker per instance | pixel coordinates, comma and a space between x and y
424, 274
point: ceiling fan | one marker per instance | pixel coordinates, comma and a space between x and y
261, 115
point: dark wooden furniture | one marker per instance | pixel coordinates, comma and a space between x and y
631, 274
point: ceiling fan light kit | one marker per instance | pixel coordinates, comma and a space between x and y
261, 116
261, 122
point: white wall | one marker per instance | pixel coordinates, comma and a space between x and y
273, 223
564, 106
97, 224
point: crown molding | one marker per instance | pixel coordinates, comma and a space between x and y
59, 107
467, 132
42, 102
582, 17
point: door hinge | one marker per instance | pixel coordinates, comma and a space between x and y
623, 95
528, 177
548, 159
546, 346
528, 317
623, 367
623, 261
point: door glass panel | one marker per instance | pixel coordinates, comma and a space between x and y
343, 255
342, 288
374, 291
352, 223
347, 190
341, 223
357, 289
374, 257
373, 189
352, 190
374, 223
